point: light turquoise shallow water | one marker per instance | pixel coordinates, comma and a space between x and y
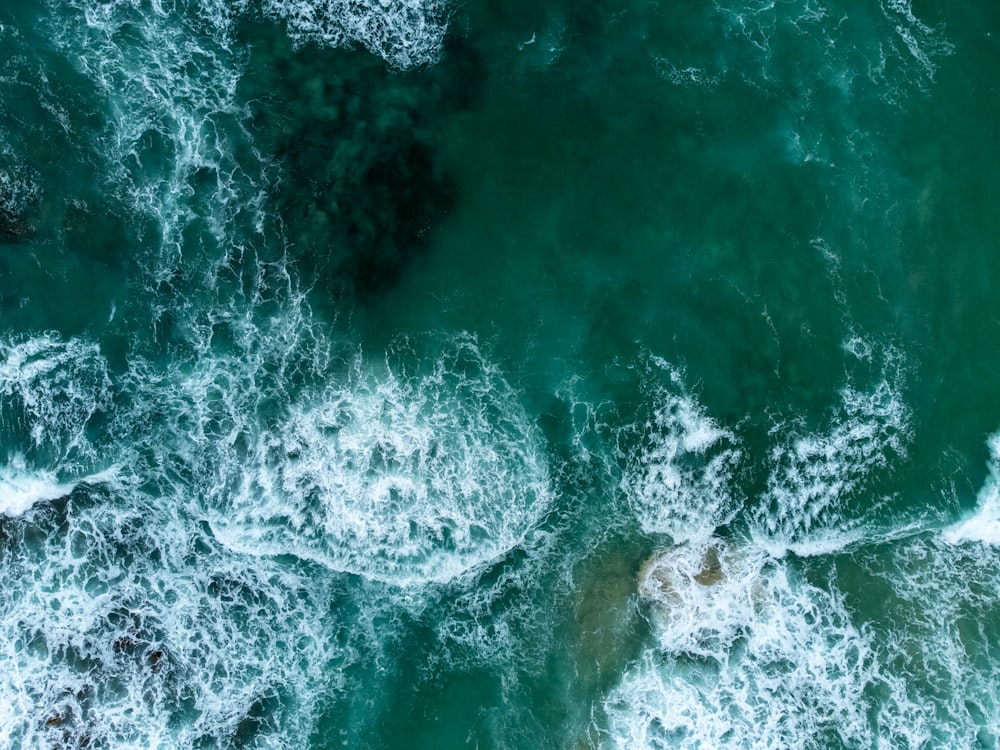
503, 375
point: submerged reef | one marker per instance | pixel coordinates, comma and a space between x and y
360, 181
18, 197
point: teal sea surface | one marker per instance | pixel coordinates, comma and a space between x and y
499, 374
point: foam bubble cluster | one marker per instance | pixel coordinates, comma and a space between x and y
174, 601
679, 465
749, 653
403, 478
678, 481
168, 77
405, 33
22, 486
941, 659
127, 623
925, 42
752, 648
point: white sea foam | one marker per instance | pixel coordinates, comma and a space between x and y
395, 477
21, 486
817, 475
984, 523
405, 33
702, 594
679, 465
168, 76
496, 621
131, 624
177, 145
983, 526
678, 480
50, 391
753, 657
836, 44
748, 654
939, 656
396, 473
129, 627
925, 43
687, 76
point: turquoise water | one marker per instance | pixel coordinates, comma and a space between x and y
426, 374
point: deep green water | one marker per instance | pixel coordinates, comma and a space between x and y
549, 374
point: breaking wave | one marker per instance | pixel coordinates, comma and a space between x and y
678, 481
983, 525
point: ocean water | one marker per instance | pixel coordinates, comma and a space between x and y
463, 373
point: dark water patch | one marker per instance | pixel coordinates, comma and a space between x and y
361, 184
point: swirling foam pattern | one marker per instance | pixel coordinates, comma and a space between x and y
396, 477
